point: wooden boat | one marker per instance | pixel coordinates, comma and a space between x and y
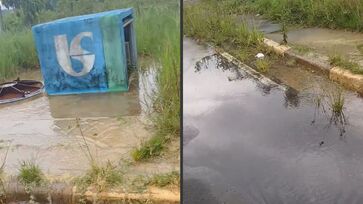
19, 90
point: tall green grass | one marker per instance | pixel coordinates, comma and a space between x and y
17, 53
208, 20
163, 44
344, 14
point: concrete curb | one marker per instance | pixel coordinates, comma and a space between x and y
65, 193
347, 79
154, 194
279, 49
250, 71
342, 76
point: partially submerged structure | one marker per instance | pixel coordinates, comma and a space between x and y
87, 54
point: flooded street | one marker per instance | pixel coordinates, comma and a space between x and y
245, 142
45, 130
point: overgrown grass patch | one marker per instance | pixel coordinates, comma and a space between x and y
211, 22
150, 148
263, 65
100, 177
163, 45
345, 14
30, 174
340, 61
163, 180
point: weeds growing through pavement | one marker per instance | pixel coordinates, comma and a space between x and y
150, 148
31, 176
163, 180
100, 177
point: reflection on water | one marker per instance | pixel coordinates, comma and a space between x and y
292, 98
142, 87
258, 145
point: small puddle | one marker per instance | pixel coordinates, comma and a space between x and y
249, 143
44, 129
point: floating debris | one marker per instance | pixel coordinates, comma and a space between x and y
19, 90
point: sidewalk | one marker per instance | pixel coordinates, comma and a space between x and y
314, 47
308, 41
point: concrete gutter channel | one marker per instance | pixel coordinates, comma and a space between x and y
65, 193
342, 76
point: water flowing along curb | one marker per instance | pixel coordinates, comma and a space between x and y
342, 76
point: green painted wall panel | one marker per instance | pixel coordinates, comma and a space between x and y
116, 66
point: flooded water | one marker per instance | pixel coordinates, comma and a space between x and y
45, 129
248, 143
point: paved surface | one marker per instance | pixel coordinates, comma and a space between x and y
321, 40
248, 143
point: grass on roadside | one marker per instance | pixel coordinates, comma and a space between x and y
100, 177
166, 102
163, 180
30, 174
263, 65
328, 13
340, 61
150, 148
210, 22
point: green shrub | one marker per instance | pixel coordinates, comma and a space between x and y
30, 174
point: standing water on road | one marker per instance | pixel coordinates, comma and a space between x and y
247, 142
45, 130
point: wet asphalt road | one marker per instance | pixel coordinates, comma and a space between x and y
244, 143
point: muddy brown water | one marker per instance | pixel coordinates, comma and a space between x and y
44, 129
248, 143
